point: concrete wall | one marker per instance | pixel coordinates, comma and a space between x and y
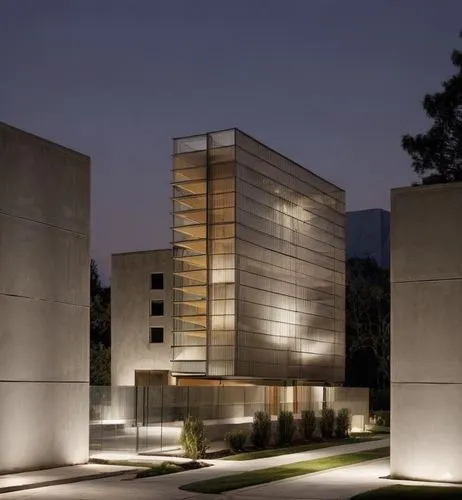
44, 302
131, 297
426, 341
368, 235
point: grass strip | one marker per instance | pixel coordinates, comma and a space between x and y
262, 476
276, 452
401, 492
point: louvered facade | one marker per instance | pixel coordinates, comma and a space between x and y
259, 264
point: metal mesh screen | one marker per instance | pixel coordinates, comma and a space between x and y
290, 264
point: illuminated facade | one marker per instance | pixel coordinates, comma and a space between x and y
259, 264
44, 302
426, 340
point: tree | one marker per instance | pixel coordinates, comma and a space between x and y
437, 154
100, 329
368, 324
100, 310
100, 365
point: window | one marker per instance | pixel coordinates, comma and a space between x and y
157, 281
157, 308
156, 335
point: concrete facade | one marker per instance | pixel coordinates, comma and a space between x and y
131, 319
44, 302
368, 235
426, 345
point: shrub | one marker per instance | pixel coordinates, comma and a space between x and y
343, 423
261, 429
327, 422
286, 427
382, 418
193, 438
308, 424
236, 440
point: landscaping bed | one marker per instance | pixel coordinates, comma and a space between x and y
152, 469
170, 468
299, 448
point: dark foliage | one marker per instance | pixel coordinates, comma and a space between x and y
437, 154
368, 325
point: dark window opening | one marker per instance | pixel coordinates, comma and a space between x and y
157, 281
157, 335
157, 308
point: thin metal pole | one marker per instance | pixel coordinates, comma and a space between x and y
136, 421
161, 416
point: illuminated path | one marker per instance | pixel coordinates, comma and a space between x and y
166, 487
334, 484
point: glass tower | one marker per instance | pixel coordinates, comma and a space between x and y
259, 264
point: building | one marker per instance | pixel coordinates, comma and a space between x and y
368, 235
259, 264
141, 317
426, 344
44, 302
255, 292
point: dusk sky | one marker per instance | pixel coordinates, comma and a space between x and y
333, 84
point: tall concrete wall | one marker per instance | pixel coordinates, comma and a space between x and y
44, 302
131, 297
426, 340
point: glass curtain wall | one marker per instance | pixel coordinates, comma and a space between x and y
291, 268
190, 255
204, 254
221, 253
259, 263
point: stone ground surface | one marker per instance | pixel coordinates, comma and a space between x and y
338, 484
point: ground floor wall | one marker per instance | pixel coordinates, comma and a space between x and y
45, 425
149, 419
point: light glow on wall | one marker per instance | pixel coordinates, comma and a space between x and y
270, 279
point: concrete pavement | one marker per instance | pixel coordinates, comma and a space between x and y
60, 475
336, 484
166, 487
227, 467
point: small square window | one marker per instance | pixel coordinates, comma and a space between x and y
157, 308
157, 281
156, 335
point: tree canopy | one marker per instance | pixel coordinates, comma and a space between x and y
100, 311
367, 325
437, 154
100, 329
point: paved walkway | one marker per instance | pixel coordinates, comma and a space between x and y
227, 467
336, 484
59, 475
163, 487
